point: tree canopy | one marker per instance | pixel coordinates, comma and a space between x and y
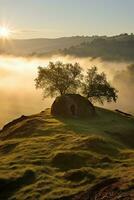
97, 88
58, 78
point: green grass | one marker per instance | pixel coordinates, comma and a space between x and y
43, 157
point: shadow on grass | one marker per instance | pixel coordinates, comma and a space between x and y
11, 185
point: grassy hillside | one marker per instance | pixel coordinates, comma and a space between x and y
42, 157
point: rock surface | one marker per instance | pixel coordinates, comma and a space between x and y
72, 105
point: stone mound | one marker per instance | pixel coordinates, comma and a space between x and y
72, 105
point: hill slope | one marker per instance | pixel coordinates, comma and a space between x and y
42, 157
119, 47
39, 46
109, 48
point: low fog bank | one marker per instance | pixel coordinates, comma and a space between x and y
18, 95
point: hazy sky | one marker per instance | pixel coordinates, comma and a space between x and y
56, 18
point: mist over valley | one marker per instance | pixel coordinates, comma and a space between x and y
19, 96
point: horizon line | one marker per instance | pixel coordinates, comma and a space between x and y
60, 37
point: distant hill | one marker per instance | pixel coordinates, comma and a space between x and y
44, 157
109, 48
120, 47
40, 46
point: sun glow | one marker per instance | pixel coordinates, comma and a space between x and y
5, 32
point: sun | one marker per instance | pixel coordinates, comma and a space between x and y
5, 32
